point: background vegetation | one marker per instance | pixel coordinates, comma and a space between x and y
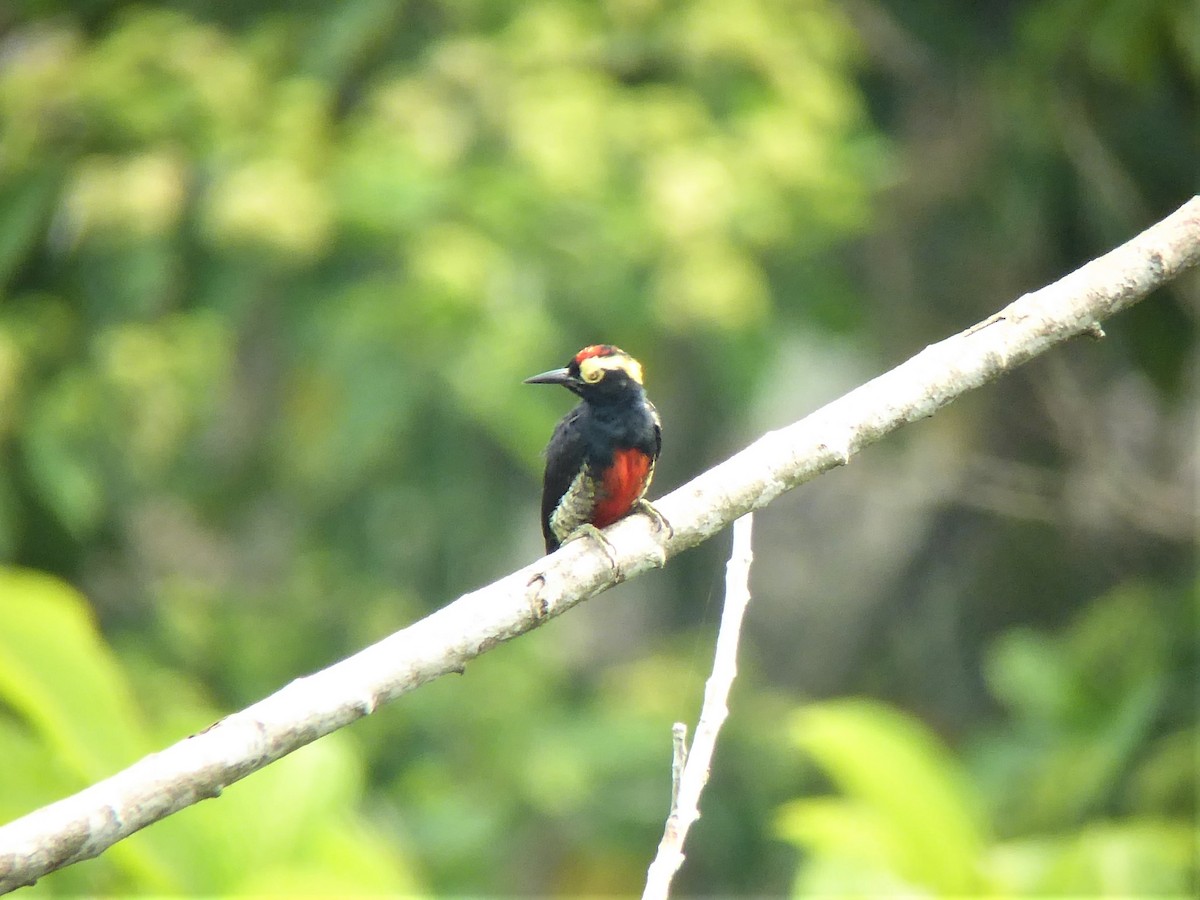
270, 277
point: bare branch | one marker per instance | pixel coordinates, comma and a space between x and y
685, 806
679, 755
84, 825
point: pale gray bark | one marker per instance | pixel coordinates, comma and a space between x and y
693, 765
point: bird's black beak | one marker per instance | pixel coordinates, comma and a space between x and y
554, 376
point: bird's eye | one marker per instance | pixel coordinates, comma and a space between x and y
591, 373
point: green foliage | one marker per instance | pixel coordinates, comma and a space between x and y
271, 275
911, 817
57, 676
1097, 715
70, 719
908, 823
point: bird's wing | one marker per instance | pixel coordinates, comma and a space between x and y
564, 458
657, 429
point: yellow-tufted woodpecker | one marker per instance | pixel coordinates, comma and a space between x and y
601, 458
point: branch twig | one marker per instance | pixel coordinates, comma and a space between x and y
679, 755
84, 825
685, 806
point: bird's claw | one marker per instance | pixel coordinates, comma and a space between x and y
660, 521
589, 530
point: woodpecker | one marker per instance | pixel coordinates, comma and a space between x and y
601, 458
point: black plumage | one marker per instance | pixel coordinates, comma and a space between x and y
601, 456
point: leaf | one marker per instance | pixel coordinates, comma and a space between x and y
59, 676
25, 207
63, 682
837, 828
29, 775
61, 451
1137, 857
908, 804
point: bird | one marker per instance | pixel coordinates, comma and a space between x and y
601, 457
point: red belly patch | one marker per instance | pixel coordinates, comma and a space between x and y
622, 484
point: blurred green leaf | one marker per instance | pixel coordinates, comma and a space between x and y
75, 722
847, 844
24, 210
1084, 702
58, 675
1143, 857
63, 453
79, 720
908, 809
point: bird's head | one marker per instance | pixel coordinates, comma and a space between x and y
596, 372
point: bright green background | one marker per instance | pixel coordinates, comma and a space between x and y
271, 275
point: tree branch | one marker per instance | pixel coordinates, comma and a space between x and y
689, 784
84, 825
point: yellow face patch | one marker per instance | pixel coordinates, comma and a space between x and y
593, 368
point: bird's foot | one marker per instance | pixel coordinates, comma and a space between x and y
660, 521
587, 529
